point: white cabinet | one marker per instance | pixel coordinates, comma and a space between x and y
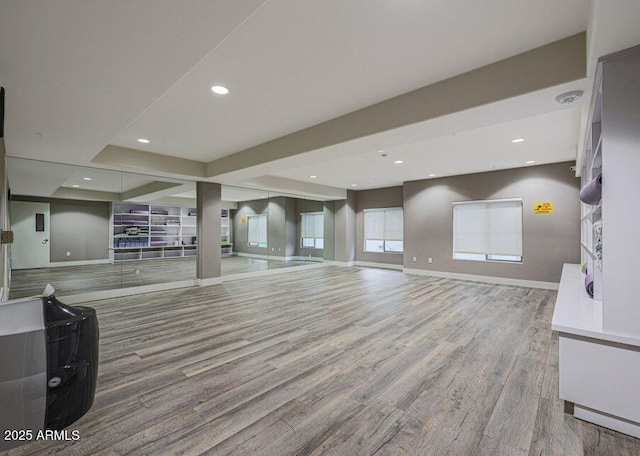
599, 338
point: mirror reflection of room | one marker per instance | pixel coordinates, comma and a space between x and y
85, 229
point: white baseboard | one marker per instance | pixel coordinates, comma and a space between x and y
207, 282
279, 258
369, 264
484, 279
249, 275
130, 291
346, 264
58, 264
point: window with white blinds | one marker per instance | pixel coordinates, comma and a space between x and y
488, 230
312, 230
383, 230
257, 230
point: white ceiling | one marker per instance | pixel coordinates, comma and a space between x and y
81, 75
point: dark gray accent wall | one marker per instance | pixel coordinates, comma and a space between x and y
209, 231
345, 228
328, 211
78, 227
277, 226
376, 199
549, 239
81, 228
240, 232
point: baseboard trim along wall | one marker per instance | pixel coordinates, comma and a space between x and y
249, 275
279, 258
370, 264
485, 279
345, 264
119, 292
58, 264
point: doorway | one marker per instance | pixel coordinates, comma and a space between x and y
30, 225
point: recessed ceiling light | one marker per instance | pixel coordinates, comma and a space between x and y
143, 141
87, 178
397, 162
313, 177
432, 175
354, 185
517, 140
380, 151
530, 162
219, 90
75, 186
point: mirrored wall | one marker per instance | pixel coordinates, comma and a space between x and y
86, 230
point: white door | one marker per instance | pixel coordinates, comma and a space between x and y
30, 248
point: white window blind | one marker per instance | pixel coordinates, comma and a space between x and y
489, 228
257, 230
312, 230
383, 230
312, 225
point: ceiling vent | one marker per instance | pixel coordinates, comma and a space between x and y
569, 97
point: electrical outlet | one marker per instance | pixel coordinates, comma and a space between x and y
414, 259
430, 260
68, 253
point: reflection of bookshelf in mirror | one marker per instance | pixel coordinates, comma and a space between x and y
140, 231
226, 245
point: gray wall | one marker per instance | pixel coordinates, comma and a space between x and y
79, 227
329, 230
374, 199
345, 228
549, 239
209, 230
240, 232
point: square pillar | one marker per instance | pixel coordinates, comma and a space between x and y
209, 232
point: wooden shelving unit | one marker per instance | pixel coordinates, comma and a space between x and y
599, 337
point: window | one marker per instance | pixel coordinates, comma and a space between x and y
312, 230
257, 230
383, 230
488, 230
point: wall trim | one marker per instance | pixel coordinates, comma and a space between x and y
207, 282
250, 275
120, 292
345, 264
485, 279
131, 291
58, 264
370, 264
279, 258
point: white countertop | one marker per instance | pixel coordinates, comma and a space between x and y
576, 313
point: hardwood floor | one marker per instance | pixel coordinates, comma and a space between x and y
336, 361
70, 280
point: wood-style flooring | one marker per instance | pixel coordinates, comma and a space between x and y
335, 361
70, 280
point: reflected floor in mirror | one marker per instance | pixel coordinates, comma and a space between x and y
70, 280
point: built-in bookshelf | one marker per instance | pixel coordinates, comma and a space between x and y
599, 336
226, 244
141, 231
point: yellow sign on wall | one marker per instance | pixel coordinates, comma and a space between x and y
542, 208
243, 220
